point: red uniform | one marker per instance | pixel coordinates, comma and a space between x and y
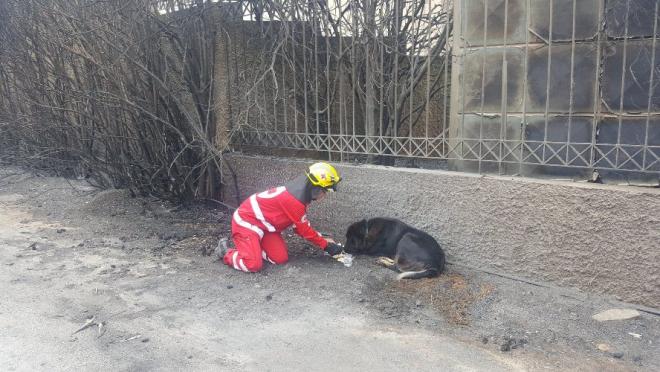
256, 228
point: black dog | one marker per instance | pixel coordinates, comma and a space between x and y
416, 254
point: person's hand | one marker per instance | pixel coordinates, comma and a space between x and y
333, 248
329, 240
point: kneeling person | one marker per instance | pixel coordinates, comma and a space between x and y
258, 222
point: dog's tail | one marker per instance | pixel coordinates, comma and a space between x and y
428, 273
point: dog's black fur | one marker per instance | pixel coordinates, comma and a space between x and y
415, 253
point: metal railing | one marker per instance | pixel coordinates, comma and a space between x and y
527, 87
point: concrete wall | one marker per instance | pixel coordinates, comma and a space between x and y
601, 239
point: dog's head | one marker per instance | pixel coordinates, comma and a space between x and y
362, 235
355, 237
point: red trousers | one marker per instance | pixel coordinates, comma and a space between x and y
250, 250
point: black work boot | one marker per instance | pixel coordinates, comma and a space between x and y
222, 248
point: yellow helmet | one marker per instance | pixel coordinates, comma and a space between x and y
323, 175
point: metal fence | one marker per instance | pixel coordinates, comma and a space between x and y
526, 87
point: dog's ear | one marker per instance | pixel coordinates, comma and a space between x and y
356, 229
374, 231
364, 225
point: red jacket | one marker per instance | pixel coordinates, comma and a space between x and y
275, 210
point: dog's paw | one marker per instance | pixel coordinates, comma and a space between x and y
385, 261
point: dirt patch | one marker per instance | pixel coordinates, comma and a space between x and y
451, 294
204, 244
112, 203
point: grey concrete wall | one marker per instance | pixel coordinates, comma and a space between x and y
601, 239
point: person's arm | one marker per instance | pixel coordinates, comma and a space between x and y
302, 227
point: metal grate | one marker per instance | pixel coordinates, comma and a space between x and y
527, 87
